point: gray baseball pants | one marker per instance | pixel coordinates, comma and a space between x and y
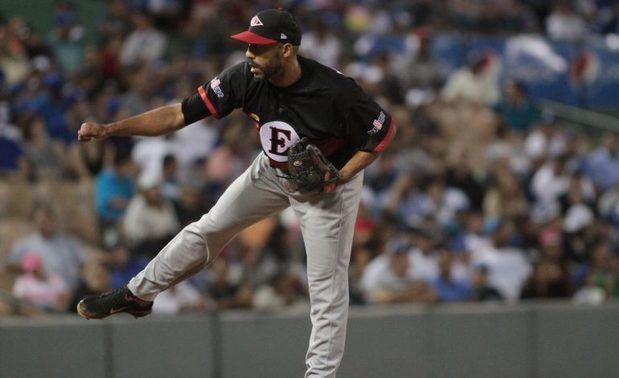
327, 224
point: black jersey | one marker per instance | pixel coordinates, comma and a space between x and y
323, 105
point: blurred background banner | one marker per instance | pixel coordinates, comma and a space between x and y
583, 72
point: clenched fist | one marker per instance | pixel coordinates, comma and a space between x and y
90, 130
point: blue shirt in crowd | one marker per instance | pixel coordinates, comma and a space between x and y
10, 153
603, 168
451, 291
110, 185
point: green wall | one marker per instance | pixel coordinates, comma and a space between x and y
40, 14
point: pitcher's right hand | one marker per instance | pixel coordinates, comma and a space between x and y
90, 130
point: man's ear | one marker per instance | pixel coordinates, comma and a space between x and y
288, 50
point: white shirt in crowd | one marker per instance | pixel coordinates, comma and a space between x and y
191, 143
565, 26
547, 185
425, 267
508, 268
462, 84
325, 50
538, 145
148, 154
176, 298
378, 277
143, 221
143, 45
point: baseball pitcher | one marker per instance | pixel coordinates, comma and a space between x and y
318, 132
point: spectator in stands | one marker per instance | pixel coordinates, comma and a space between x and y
12, 159
60, 254
170, 186
93, 157
116, 21
144, 44
95, 280
190, 206
66, 39
54, 104
505, 197
480, 287
460, 175
45, 157
550, 182
418, 68
600, 268
280, 292
602, 164
424, 255
476, 82
14, 64
180, 298
122, 265
148, 154
113, 191
39, 288
225, 294
320, 43
150, 221
610, 23
140, 94
564, 23
547, 280
446, 287
388, 278
379, 181
577, 204
430, 200
546, 140
515, 108
507, 264
608, 205
589, 294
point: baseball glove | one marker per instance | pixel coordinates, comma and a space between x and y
308, 169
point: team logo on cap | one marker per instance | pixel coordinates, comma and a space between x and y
283, 36
255, 21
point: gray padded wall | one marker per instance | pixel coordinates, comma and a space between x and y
263, 345
536, 340
386, 346
162, 347
577, 341
483, 342
52, 348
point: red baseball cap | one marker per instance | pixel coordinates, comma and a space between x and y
271, 26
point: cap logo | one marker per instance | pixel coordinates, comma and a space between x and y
283, 36
255, 21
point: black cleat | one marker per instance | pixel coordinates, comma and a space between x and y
112, 302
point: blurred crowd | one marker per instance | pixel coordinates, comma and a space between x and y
482, 197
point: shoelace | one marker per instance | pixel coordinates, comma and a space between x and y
111, 293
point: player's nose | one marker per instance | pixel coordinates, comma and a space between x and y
249, 54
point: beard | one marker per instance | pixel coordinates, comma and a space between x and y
265, 72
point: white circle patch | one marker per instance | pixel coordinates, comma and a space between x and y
276, 138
